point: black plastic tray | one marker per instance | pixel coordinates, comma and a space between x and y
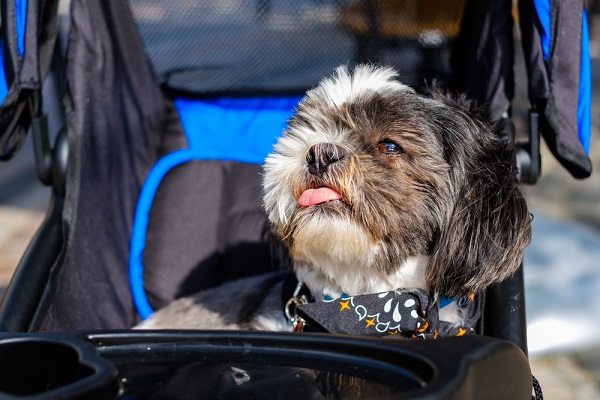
257, 365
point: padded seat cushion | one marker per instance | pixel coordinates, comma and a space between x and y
206, 226
199, 220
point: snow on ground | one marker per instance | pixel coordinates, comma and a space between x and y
562, 286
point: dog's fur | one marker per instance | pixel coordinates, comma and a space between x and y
429, 199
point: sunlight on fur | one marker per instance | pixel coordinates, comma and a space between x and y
376, 188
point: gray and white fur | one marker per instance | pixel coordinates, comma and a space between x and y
427, 198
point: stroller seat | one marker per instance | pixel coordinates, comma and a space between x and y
236, 134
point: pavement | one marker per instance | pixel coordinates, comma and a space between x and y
23, 202
562, 264
562, 282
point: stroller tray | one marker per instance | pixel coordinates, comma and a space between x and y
257, 365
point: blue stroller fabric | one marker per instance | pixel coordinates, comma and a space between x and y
20, 22
584, 103
235, 129
3, 80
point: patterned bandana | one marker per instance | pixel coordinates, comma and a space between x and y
405, 312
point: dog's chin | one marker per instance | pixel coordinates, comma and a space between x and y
332, 253
326, 236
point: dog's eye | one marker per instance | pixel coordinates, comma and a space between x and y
389, 147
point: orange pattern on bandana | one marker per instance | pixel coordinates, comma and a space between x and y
409, 313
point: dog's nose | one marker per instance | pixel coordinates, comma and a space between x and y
322, 155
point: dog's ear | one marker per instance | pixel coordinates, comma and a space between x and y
487, 223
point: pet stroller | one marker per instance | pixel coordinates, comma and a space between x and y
156, 187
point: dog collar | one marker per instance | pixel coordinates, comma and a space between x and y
404, 312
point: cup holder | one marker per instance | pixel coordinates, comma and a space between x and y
48, 367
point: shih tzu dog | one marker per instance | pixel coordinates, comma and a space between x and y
375, 188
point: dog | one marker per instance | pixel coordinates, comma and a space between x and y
374, 187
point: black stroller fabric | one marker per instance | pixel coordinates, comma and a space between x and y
121, 125
483, 58
28, 37
116, 114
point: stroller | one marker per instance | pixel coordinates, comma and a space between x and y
130, 168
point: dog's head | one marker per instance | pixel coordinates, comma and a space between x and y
370, 174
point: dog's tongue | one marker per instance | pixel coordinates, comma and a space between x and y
310, 197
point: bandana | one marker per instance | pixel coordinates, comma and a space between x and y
404, 312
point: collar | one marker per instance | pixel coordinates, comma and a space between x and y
403, 312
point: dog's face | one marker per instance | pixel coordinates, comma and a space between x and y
371, 176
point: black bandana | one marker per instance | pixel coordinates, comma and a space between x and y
403, 312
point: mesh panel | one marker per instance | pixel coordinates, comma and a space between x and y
243, 46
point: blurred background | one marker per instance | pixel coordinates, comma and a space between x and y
562, 264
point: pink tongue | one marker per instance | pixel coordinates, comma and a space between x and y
310, 197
